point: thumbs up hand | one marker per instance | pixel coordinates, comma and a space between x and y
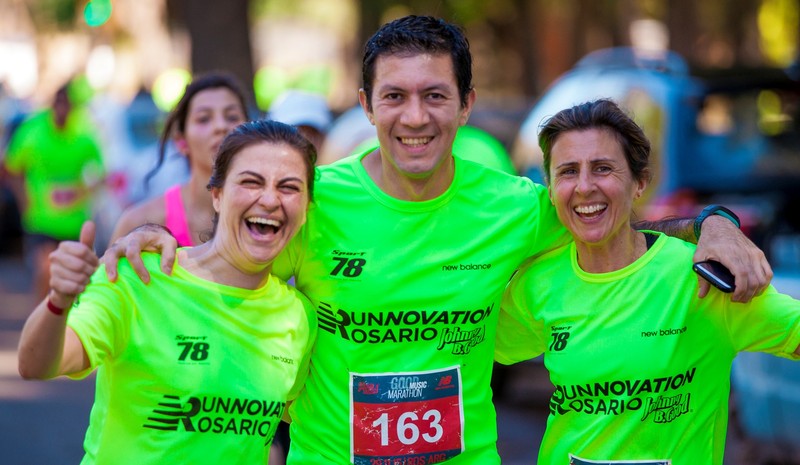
71, 267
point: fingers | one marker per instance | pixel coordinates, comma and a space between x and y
110, 260
87, 234
722, 242
149, 237
763, 273
129, 248
753, 274
168, 258
703, 286
157, 239
134, 255
71, 267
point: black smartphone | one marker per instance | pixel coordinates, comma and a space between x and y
716, 273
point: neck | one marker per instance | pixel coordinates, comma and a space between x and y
197, 198
207, 261
612, 255
404, 187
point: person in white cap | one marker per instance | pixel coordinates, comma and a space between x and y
308, 112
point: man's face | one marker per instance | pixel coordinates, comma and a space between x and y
61, 109
416, 110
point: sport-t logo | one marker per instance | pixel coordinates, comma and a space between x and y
348, 263
193, 349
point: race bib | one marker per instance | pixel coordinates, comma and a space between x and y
406, 418
63, 197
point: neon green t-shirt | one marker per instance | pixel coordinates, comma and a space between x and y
189, 371
641, 365
407, 295
55, 165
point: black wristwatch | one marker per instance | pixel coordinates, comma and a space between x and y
714, 210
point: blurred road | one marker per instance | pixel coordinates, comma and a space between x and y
40, 423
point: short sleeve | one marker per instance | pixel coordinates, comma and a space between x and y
303, 369
15, 154
519, 333
769, 323
98, 318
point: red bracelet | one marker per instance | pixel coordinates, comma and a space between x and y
56, 310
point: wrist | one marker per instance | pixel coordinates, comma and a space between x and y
57, 305
153, 227
717, 210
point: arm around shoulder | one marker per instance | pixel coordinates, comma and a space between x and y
140, 228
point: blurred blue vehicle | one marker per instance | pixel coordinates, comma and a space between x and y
727, 136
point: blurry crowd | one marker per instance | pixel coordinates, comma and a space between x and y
108, 154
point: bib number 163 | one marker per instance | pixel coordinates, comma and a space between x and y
407, 430
414, 417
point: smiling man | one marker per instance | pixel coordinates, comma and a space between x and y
405, 255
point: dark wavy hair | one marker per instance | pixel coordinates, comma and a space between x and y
601, 113
257, 132
417, 35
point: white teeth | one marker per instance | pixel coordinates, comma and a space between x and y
589, 209
266, 221
414, 141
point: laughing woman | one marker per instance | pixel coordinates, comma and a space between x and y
197, 366
641, 365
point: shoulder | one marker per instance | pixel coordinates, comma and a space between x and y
476, 177
151, 261
35, 121
126, 274
26, 133
546, 260
673, 249
553, 264
291, 297
310, 310
339, 180
147, 211
337, 170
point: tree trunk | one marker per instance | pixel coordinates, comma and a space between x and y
682, 26
220, 36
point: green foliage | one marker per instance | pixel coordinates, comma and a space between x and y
469, 11
50, 14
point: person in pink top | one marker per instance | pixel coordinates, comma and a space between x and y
211, 106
